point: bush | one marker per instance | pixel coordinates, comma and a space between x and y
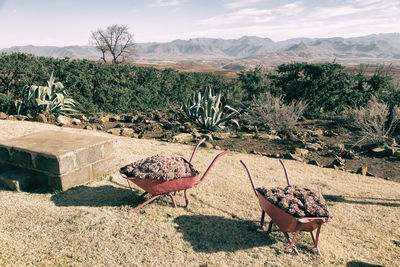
376, 121
6, 102
107, 88
207, 111
270, 112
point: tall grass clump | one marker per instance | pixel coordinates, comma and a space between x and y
376, 121
273, 114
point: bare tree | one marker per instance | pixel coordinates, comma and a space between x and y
116, 41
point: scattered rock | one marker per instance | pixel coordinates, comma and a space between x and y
3, 116
208, 145
316, 133
76, 121
208, 137
63, 120
301, 152
295, 157
128, 118
265, 136
337, 163
196, 134
41, 118
220, 136
218, 147
114, 131
246, 136
182, 138
127, 131
362, 170
12, 118
314, 162
88, 127
114, 118
348, 154
21, 117
100, 127
381, 151
337, 148
313, 146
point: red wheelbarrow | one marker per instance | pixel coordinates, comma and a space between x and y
160, 188
286, 222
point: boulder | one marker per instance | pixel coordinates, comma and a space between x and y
313, 146
41, 118
127, 131
220, 136
265, 136
114, 131
76, 121
3, 116
208, 145
363, 170
63, 120
182, 138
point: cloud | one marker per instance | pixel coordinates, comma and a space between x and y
164, 3
241, 3
254, 15
299, 19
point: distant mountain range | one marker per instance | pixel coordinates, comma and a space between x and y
247, 51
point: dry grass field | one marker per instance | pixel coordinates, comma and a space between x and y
86, 226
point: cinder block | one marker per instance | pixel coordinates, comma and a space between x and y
104, 167
89, 154
4, 154
18, 180
70, 179
59, 159
21, 158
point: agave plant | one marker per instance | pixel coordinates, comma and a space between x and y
207, 111
52, 98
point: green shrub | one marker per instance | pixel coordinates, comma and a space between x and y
6, 102
207, 110
52, 99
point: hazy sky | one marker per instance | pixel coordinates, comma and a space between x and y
70, 22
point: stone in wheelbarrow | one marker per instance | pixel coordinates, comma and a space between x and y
58, 159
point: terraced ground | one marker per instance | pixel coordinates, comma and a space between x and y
86, 226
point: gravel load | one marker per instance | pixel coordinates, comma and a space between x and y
297, 201
159, 167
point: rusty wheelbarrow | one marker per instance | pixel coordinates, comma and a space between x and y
160, 188
286, 222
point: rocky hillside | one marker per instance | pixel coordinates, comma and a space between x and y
247, 50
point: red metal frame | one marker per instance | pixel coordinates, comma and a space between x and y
159, 188
285, 221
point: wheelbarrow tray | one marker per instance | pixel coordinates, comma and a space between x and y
288, 223
158, 187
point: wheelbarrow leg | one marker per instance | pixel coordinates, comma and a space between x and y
172, 198
292, 246
142, 195
270, 227
147, 202
315, 240
262, 219
186, 198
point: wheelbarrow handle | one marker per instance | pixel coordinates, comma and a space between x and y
212, 163
250, 177
286, 172
195, 149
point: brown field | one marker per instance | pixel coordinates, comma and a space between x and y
86, 226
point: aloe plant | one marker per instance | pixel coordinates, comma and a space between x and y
207, 110
52, 98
